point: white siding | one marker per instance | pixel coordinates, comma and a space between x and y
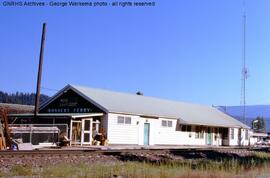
122, 133
240, 136
159, 135
170, 136
235, 140
152, 135
217, 140
245, 141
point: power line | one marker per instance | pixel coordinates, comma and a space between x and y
50, 89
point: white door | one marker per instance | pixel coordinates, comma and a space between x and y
86, 131
75, 132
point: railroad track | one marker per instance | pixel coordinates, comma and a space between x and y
119, 151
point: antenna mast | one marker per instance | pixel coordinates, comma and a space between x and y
244, 68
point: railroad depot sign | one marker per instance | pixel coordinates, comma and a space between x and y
70, 102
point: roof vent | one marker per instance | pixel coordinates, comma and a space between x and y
139, 93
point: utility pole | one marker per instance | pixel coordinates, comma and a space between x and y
40, 70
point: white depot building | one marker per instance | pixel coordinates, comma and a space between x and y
138, 120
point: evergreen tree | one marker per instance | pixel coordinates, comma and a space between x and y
21, 98
258, 124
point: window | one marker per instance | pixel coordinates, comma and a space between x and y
165, 123
199, 132
186, 128
127, 120
169, 123
220, 130
246, 134
124, 120
224, 133
120, 120
189, 128
232, 133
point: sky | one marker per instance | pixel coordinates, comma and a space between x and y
183, 50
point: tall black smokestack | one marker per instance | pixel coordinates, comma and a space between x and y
40, 69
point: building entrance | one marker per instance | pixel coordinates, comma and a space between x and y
83, 131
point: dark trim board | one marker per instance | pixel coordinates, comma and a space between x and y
70, 102
70, 88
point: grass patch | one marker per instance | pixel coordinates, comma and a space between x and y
249, 166
2, 174
177, 169
19, 170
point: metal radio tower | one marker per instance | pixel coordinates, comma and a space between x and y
244, 68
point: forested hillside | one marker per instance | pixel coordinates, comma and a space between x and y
21, 98
251, 112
